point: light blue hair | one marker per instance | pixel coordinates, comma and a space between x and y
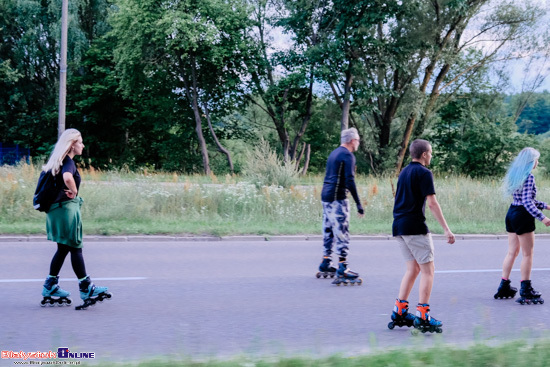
519, 169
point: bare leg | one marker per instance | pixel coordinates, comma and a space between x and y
408, 280
426, 281
527, 243
511, 255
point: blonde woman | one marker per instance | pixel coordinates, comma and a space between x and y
64, 225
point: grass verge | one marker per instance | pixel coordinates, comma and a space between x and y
513, 354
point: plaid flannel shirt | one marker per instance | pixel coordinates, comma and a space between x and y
526, 197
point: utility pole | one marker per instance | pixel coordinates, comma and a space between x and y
63, 68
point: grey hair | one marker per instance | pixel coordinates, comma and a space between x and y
348, 135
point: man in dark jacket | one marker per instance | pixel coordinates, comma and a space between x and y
339, 178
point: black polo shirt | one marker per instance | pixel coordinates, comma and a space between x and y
413, 185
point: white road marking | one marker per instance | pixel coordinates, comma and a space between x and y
67, 279
483, 271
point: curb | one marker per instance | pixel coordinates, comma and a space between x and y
244, 238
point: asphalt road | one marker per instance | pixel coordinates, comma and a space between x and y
224, 299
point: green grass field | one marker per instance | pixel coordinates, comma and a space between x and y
166, 203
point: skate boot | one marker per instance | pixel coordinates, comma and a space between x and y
528, 295
400, 315
504, 290
91, 294
326, 269
424, 322
346, 276
52, 289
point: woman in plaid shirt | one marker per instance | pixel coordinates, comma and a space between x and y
519, 182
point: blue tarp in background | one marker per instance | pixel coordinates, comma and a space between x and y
13, 154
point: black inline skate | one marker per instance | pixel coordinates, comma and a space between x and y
423, 322
346, 276
52, 289
326, 269
400, 315
504, 290
91, 294
528, 295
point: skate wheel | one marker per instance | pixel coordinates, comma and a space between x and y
318, 275
42, 303
439, 330
359, 281
391, 325
325, 275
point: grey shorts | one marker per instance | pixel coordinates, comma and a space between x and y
417, 247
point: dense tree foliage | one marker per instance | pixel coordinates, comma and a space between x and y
189, 85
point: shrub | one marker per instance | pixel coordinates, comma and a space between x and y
264, 168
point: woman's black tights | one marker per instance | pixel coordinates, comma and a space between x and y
77, 260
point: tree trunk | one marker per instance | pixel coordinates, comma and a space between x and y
405, 143
218, 144
347, 100
306, 163
297, 160
306, 119
193, 98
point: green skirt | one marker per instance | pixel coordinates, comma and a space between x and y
64, 223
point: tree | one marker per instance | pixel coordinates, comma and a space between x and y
471, 139
197, 47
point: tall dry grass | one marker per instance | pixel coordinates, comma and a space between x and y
147, 202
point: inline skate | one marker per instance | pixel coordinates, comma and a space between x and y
504, 290
326, 269
91, 294
423, 322
52, 289
346, 276
400, 315
528, 295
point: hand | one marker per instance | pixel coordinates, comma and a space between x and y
70, 194
450, 237
360, 215
546, 222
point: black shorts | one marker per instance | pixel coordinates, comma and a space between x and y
519, 221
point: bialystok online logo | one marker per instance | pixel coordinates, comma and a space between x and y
62, 353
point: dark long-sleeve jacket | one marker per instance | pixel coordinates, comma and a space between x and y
340, 176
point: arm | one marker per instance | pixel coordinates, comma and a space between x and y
350, 184
433, 204
69, 182
528, 200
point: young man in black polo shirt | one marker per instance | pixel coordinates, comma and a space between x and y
415, 188
339, 178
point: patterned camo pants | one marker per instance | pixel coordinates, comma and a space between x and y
336, 227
